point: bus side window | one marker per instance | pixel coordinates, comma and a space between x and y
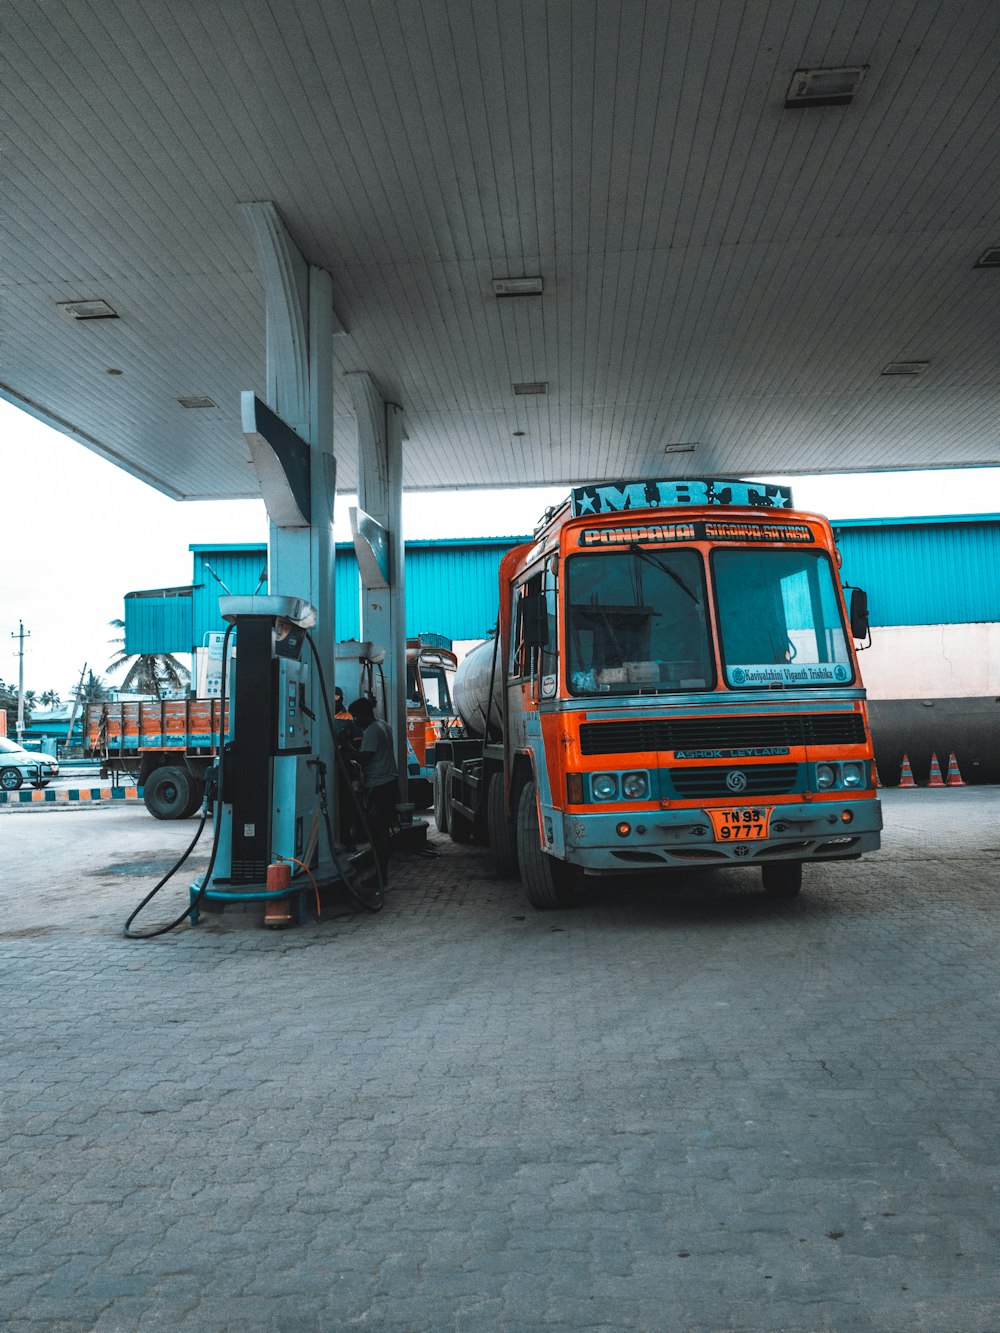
517, 650
550, 653
524, 659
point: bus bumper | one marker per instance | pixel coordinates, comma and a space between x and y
806, 832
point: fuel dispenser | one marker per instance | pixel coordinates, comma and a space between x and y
271, 800
274, 827
268, 805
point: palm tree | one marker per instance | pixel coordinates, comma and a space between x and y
50, 699
148, 673
93, 690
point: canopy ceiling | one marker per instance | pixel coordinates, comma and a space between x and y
718, 270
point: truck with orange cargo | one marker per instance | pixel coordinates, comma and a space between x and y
168, 745
674, 684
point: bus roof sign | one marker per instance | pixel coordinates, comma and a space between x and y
612, 497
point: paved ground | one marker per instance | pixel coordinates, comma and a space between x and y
685, 1107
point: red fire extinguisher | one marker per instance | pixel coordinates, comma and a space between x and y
278, 911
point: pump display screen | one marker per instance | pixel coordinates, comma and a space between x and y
779, 619
636, 622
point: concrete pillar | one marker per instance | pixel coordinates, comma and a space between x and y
380, 497
299, 388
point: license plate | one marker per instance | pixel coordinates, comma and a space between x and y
746, 824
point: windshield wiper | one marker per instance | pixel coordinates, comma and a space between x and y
651, 559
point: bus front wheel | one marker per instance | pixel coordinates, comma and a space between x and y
548, 882
782, 879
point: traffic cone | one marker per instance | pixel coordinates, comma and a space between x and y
937, 777
906, 774
953, 778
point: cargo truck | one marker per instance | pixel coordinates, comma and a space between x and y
167, 746
674, 683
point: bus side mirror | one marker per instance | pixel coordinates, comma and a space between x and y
534, 622
860, 627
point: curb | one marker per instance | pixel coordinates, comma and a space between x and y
82, 795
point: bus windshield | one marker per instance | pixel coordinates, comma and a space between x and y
779, 619
636, 622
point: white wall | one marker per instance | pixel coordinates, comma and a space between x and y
932, 661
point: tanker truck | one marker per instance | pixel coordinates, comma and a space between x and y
673, 684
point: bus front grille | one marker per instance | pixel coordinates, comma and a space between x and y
747, 731
761, 780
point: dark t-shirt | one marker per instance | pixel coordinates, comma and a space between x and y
377, 741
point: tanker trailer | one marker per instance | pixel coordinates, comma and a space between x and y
469, 792
478, 673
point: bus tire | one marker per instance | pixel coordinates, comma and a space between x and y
442, 772
548, 883
168, 793
782, 879
503, 838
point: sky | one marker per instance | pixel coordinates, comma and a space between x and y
79, 533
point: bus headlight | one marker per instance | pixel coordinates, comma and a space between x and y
826, 776
635, 786
853, 775
604, 786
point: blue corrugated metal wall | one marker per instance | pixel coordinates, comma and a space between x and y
451, 589
239, 568
159, 624
925, 572
915, 571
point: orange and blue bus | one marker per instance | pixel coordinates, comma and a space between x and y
674, 683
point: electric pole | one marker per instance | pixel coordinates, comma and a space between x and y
21, 635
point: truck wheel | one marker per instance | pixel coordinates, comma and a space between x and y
548, 883
197, 797
501, 829
10, 779
442, 770
167, 793
782, 879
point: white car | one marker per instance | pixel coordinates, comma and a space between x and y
18, 765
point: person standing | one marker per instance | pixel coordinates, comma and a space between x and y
381, 778
348, 735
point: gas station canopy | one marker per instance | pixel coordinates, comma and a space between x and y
573, 240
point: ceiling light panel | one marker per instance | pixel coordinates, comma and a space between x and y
87, 309
824, 87
905, 368
517, 286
